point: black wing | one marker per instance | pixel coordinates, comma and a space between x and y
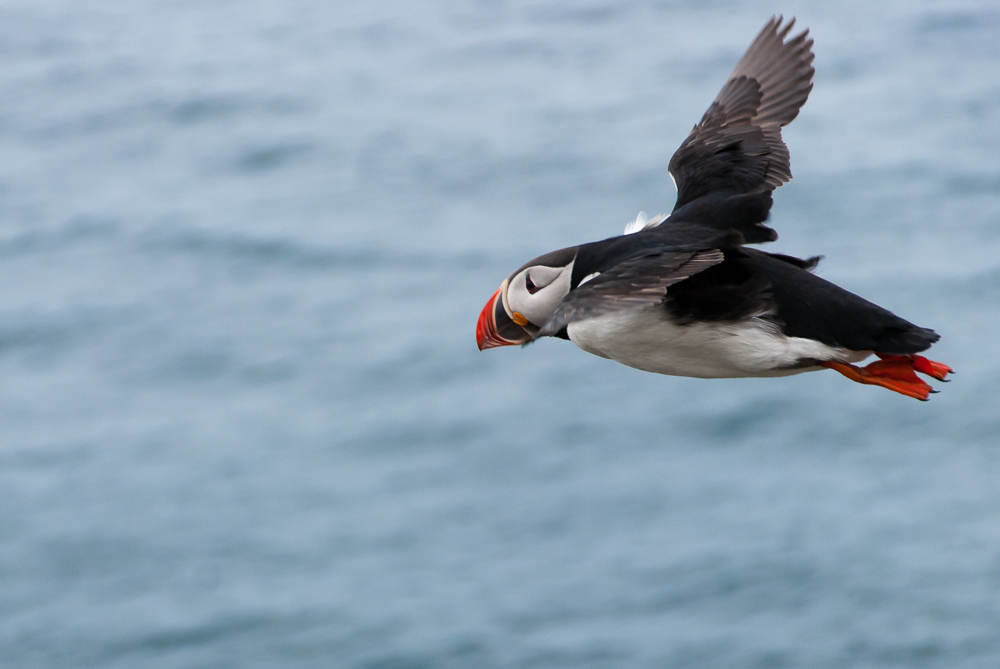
637, 282
737, 148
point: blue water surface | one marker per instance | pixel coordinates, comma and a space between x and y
243, 419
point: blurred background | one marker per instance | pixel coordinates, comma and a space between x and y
243, 419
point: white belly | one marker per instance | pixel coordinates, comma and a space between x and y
647, 340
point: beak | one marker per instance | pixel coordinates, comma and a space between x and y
495, 327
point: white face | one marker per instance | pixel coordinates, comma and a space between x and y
536, 291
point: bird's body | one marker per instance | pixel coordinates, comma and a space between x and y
753, 347
683, 295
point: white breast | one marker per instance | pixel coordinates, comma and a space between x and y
646, 339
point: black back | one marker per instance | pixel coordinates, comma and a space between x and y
781, 290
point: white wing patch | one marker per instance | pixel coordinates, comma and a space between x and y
642, 223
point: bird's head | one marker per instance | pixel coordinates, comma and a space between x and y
526, 300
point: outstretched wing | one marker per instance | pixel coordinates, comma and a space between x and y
637, 282
737, 146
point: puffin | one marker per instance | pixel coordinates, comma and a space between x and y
686, 294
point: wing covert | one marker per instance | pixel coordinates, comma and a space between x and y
637, 282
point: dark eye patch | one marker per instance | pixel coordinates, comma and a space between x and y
530, 285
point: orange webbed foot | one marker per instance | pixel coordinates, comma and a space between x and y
895, 372
938, 370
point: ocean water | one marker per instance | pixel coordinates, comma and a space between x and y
243, 420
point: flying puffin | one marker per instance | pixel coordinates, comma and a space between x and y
682, 294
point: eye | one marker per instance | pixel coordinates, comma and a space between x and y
538, 277
530, 285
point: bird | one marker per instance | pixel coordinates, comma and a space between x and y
687, 294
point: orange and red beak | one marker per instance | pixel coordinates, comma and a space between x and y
496, 328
